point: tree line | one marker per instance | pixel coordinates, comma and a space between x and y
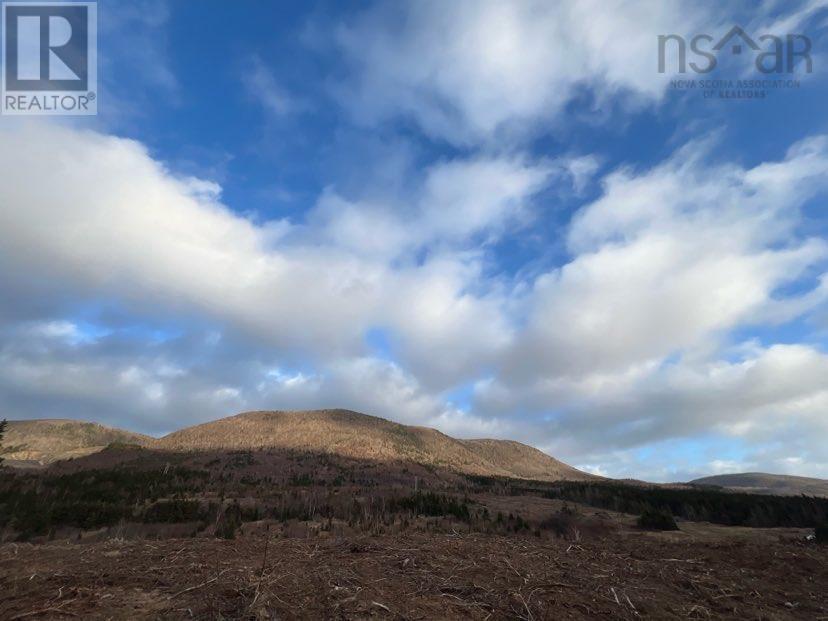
698, 504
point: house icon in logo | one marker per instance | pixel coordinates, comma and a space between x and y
736, 47
768, 53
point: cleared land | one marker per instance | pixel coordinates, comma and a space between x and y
132, 533
200, 530
703, 572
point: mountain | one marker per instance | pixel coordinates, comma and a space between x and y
359, 436
339, 432
39, 442
763, 483
523, 461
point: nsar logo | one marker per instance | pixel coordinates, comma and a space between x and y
771, 53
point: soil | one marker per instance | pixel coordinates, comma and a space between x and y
703, 571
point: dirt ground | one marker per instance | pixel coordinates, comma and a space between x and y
704, 572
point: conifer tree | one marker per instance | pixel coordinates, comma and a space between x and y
3, 424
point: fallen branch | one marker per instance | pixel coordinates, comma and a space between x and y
198, 586
629, 601
42, 611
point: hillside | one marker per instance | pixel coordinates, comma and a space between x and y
38, 442
523, 461
360, 436
763, 483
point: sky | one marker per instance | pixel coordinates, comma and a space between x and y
498, 219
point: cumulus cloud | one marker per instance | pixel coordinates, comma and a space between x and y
627, 342
122, 225
667, 259
458, 202
771, 404
44, 375
757, 397
158, 387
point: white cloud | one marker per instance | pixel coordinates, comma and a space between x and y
773, 402
121, 224
147, 388
63, 330
473, 70
263, 88
459, 202
623, 344
486, 72
463, 198
670, 258
581, 169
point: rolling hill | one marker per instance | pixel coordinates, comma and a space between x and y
359, 436
43, 441
338, 432
763, 483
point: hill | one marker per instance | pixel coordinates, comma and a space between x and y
39, 442
354, 435
763, 483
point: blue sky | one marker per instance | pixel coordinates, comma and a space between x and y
498, 219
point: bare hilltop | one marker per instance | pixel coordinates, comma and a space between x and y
360, 436
332, 432
43, 441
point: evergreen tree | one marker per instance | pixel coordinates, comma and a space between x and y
3, 424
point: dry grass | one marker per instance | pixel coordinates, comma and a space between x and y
358, 436
336, 432
48, 440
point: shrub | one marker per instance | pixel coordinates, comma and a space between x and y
432, 505
173, 511
563, 523
520, 524
821, 533
569, 523
657, 519
231, 519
